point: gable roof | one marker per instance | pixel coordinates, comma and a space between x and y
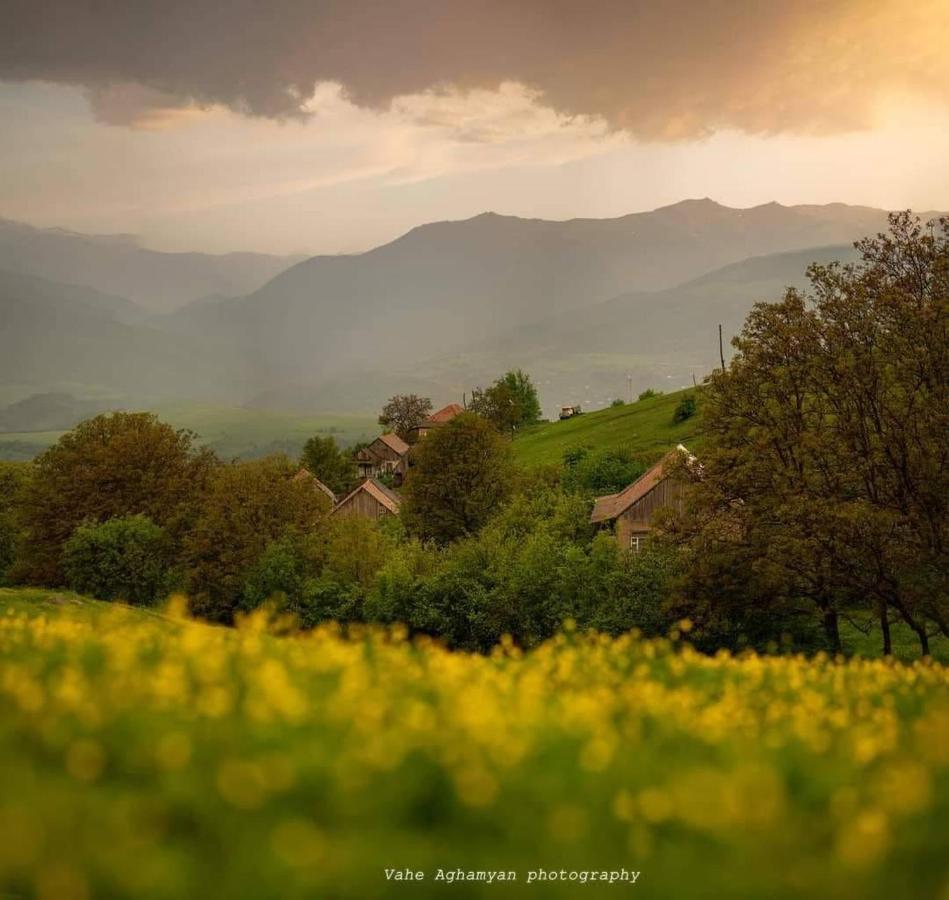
378, 491
394, 442
613, 505
306, 474
445, 414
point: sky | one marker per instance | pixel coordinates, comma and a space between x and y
304, 127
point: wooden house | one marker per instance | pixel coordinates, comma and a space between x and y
370, 499
307, 475
630, 511
386, 455
436, 420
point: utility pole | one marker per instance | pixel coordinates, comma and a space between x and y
721, 351
629, 386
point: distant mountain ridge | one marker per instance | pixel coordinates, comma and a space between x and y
581, 304
117, 264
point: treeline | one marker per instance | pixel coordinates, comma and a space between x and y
126, 507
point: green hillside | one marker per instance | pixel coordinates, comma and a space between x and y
644, 427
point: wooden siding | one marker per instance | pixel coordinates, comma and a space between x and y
637, 519
364, 505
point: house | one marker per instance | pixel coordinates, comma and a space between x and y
631, 510
370, 499
436, 420
386, 455
307, 475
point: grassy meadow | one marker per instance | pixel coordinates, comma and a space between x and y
146, 755
645, 427
230, 431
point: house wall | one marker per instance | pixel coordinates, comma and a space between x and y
636, 520
363, 505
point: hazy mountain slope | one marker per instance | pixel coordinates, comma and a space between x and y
53, 334
444, 286
116, 264
659, 338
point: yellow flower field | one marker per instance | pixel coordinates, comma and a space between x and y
144, 755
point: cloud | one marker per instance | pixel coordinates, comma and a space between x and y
660, 70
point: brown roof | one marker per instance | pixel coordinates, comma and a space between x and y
613, 505
305, 473
394, 442
445, 414
378, 491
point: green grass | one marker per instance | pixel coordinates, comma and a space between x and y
230, 431
144, 755
644, 427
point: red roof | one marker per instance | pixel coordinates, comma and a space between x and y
394, 442
613, 505
445, 414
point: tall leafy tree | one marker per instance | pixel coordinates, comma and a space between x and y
333, 466
510, 403
462, 472
245, 508
824, 474
403, 412
115, 465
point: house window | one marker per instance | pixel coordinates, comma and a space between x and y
637, 542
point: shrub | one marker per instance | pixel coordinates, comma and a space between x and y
618, 402
685, 410
121, 559
649, 393
601, 472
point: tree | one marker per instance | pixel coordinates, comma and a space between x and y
510, 403
685, 409
824, 472
122, 559
115, 465
332, 466
13, 478
463, 471
403, 412
246, 507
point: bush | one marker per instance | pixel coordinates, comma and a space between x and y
685, 410
618, 402
121, 559
601, 472
649, 393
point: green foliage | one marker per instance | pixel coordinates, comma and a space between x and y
601, 471
649, 393
685, 410
112, 466
824, 484
462, 472
245, 508
121, 559
510, 403
405, 412
13, 477
618, 402
334, 467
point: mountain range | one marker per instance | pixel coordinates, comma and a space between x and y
590, 307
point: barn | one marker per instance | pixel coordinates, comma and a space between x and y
370, 499
630, 511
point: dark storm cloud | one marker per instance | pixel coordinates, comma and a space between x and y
658, 69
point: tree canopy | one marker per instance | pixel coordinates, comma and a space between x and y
334, 467
510, 403
461, 473
403, 412
824, 471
